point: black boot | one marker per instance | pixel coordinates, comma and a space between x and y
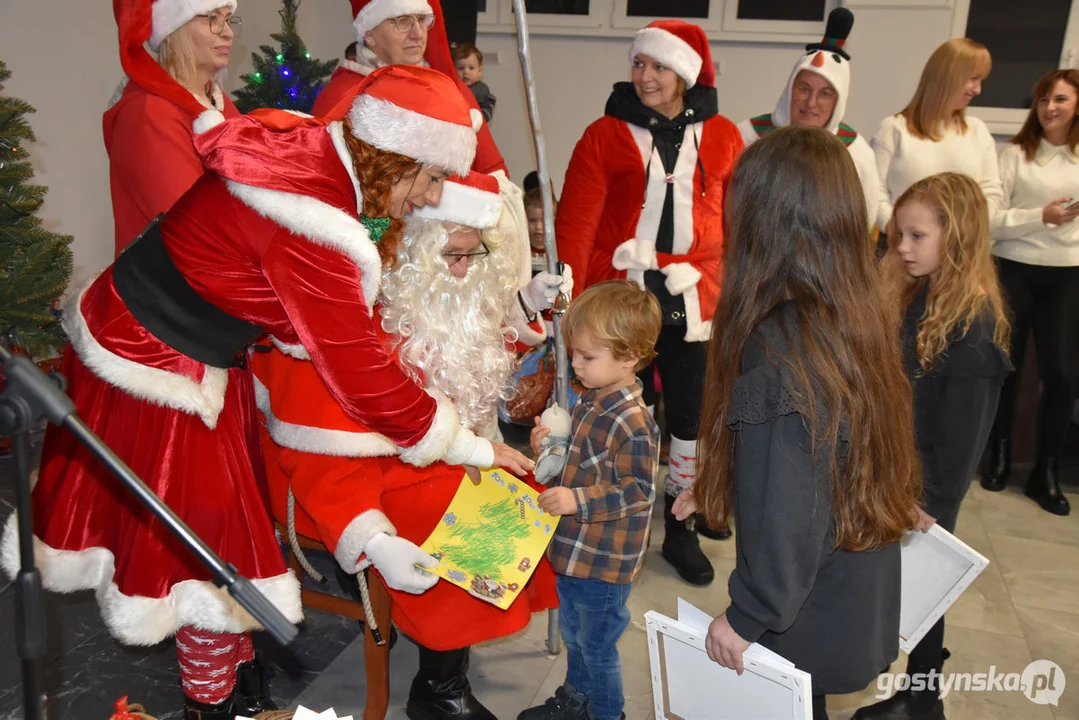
441, 691
682, 548
250, 695
1042, 485
1000, 463
703, 528
195, 710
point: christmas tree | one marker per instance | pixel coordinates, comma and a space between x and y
287, 78
35, 264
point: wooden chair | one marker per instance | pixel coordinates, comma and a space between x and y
376, 658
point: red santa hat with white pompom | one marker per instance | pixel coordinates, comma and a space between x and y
681, 46
144, 21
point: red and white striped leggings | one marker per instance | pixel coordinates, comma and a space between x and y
208, 662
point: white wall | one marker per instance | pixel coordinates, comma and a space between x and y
63, 55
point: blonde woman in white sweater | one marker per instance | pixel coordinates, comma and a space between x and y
1036, 242
933, 133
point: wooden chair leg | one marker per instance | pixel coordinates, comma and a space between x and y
376, 658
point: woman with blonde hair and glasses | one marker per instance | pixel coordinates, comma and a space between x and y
149, 125
933, 133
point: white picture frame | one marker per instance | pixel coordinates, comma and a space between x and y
937, 568
597, 17
687, 685
489, 17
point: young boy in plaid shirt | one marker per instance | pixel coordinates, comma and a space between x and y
605, 495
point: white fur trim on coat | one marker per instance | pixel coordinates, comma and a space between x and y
680, 277
321, 441
440, 437
464, 205
357, 534
296, 350
137, 620
320, 223
635, 254
204, 399
207, 120
171, 15
376, 11
439, 143
669, 49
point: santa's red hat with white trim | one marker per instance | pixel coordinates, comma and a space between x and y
151, 21
419, 113
473, 200
366, 14
681, 46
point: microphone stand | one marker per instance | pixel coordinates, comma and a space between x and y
30, 395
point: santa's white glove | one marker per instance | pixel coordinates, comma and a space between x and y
541, 291
552, 458
396, 559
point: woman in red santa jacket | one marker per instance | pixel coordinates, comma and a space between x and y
286, 233
401, 32
444, 309
643, 199
148, 127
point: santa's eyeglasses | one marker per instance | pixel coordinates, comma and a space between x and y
469, 258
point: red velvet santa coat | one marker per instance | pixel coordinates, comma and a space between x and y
600, 210
152, 158
349, 484
269, 234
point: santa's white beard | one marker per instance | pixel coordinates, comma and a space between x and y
450, 330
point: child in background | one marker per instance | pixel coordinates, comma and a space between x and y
605, 496
534, 213
469, 63
955, 338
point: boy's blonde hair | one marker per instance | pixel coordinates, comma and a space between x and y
950, 65
621, 316
968, 280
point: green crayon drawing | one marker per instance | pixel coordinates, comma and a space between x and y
488, 546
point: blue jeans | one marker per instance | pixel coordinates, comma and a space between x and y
593, 615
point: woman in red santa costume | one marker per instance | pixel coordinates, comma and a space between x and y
148, 126
401, 32
444, 311
643, 199
286, 233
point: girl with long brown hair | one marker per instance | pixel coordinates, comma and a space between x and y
955, 335
1036, 243
806, 432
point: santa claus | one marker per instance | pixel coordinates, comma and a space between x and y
443, 309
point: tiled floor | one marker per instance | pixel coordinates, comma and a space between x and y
1024, 607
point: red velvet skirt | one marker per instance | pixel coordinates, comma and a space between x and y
94, 535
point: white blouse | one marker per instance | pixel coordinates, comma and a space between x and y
903, 159
1018, 231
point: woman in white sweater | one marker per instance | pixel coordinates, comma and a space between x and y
933, 133
1036, 242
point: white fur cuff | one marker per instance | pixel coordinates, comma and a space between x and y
440, 436
681, 277
635, 254
357, 534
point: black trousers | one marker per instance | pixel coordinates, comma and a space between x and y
820, 711
1045, 300
681, 370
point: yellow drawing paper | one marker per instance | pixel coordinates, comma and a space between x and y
491, 537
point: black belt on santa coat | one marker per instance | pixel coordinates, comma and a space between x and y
161, 299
